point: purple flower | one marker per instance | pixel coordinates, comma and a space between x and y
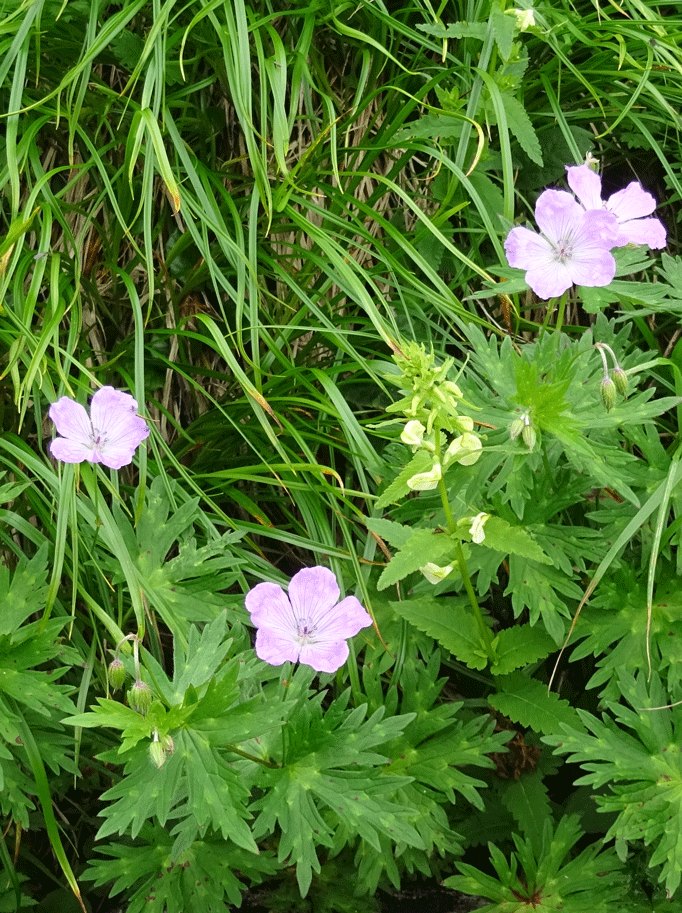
628, 206
572, 249
110, 434
309, 625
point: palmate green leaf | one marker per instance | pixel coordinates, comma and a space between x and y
545, 592
203, 878
313, 800
423, 546
544, 878
24, 593
637, 752
527, 800
526, 701
216, 794
143, 792
450, 622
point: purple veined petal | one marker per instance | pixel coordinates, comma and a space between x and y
559, 215
592, 267
117, 428
343, 621
325, 657
523, 248
307, 624
313, 591
586, 185
651, 232
71, 420
69, 450
273, 649
269, 606
599, 228
548, 278
632, 202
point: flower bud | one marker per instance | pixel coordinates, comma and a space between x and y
517, 427
116, 674
157, 754
140, 697
620, 379
607, 391
528, 434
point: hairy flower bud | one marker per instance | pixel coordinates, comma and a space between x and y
140, 697
157, 754
607, 391
116, 674
517, 427
529, 435
620, 379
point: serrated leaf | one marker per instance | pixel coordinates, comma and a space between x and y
512, 540
449, 622
521, 126
520, 646
456, 30
423, 546
398, 488
396, 534
526, 701
503, 27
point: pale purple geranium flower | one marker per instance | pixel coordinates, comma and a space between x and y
574, 247
110, 434
629, 206
309, 625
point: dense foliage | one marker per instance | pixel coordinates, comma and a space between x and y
280, 228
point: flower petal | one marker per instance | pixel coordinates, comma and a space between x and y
651, 232
586, 185
70, 451
343, 620
632, 202
313, 591
273, 649
269, 607
71, 420
548, 278
523, 248
558, 215
325, 657
114, 419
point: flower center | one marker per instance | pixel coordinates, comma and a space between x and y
97, 439
563, 251
305, 631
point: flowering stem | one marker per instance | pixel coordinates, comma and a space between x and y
484, 630
561, 314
